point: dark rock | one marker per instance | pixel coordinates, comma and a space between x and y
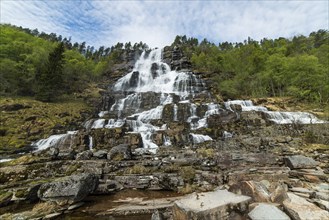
120, 152
69, 189
157, 215
299, 162
14, 107
85, 155
5, 198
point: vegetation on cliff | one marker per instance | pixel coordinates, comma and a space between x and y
297, 67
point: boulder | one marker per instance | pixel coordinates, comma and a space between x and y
256, 190
300, 162
299, 208
211, 205
265, 211
85, 155
101, 154
120, 152
69, 189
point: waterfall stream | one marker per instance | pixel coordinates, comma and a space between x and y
149, 89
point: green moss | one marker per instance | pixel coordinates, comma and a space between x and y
5, 196
187, 173
137, 169
19, 128
206, 152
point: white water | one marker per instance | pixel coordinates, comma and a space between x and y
90, 142
150, 74
199, 138
53, 140
277, 116
5, 160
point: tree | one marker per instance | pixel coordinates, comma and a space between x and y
49, 81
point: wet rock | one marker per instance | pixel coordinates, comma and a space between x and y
211, 205
53, 152
299, 208
299, 162
85, 155
157, 215
120, 152
266, 211
69, 189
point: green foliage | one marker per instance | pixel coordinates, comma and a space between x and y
50, 80
297, 67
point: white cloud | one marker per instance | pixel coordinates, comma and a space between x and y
157, 23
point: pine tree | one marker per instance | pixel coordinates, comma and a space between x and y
49, 81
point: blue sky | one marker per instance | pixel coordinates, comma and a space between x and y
158, 22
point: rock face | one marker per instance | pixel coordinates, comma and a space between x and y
266, 211
300, 162
122, 151
68, 190
299, 209
211, 206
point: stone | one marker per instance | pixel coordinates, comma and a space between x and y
69, 189
75, 206
299, 208
300, 162
265, 211
85, 155
120, 152
211, 205
279, 194
5, 198
157, 215
101, 154
256, 190
53, 215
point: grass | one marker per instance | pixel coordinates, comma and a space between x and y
20, 128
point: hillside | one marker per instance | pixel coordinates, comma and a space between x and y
156, 134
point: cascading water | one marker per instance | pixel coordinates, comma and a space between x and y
277, 116
150, 74
144, 93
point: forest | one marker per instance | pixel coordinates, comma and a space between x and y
46, 66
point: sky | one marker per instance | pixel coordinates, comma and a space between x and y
102, 22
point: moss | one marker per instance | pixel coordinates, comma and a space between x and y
206, 152
188, 188
187, 173
173, 168
137, 169
29, 124
5, 196
72, 168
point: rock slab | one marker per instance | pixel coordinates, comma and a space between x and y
266, 211
299, 208
69, 189
300, 162
210, 205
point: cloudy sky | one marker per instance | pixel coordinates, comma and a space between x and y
158, 22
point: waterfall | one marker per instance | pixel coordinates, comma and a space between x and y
54, 140
199, 138
277, 116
